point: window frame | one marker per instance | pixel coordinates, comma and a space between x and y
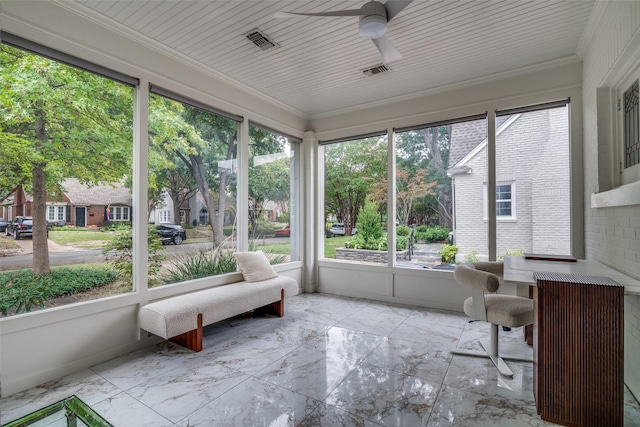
626, 174
485, 193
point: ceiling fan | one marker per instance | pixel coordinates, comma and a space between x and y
374, 17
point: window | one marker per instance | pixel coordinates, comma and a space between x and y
504, 201
120, 213
533, 182
631, 122
164, 217
192, 163
274, 179
56, 213
441, 169
355, 199
92, 115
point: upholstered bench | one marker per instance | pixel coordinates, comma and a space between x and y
181, 318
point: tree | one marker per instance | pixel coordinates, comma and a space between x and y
428, 149
350, 170
64, 123
269, 173
409, 189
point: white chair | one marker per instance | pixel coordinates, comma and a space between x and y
506, 310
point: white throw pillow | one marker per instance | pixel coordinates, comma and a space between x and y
255, 266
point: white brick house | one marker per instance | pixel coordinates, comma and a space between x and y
532, 184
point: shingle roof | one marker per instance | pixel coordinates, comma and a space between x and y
103, 194
466, 136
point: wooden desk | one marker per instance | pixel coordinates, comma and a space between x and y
578, 338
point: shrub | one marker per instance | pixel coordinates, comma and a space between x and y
21, 291
472, 256
511, 252
119, 252
369, 226
194, 265
428, 234
402, 230
448, 253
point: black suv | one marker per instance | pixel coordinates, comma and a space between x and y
20, 226
171, 233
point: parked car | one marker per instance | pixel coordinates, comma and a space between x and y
282, 232
20, 226
337, 229
171, 233
3, 225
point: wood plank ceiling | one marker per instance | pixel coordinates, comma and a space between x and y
317, 68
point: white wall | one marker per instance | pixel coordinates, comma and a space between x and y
612, 233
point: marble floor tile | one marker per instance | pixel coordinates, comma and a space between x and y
385, 397
137, 367
330, 361
376, 319
479, 375
308, 371
345, 343
420, 360
123, 410
253, 403
331, 416
424, 331
180, 392
85, 384
455, 407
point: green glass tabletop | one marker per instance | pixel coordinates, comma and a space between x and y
70, 412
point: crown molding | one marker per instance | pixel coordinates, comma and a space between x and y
590, 30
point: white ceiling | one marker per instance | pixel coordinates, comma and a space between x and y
317, 68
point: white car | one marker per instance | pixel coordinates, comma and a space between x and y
337, 229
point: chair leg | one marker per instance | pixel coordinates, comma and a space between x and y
491, 351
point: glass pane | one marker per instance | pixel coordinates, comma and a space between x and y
532, 154
67, 145
355, 204
273, 191
192, 192
440, 177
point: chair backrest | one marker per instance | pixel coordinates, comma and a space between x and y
482, 275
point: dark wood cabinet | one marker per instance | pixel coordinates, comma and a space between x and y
578, 340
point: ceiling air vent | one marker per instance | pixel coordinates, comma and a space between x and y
261, 40
380, 68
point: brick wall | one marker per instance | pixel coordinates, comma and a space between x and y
612, 235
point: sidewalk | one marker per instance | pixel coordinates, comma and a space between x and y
25, 246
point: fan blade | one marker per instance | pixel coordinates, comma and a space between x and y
387, 50
394, 7
348, 12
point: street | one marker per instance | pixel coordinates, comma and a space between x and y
67, 255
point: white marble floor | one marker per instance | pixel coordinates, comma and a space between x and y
330, 361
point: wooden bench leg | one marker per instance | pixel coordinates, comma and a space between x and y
192, 339
275, 308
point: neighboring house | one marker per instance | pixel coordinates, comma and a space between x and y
80, 204
532, 184
163, 213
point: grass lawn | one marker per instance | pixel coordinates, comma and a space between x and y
330, 245
82, 238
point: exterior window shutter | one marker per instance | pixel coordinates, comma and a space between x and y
67, 215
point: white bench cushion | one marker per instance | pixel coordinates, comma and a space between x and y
177, 315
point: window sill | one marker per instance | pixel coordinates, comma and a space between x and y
624, 195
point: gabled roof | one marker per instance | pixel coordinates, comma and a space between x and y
102, 194
469, 136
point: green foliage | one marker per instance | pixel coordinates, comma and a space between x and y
22, 291
472, 256
448, 253
357, 242
431, 234
284, 217
511, 252
115, 226
369, 226
205, 263
402, 230
194, 265
119, 252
